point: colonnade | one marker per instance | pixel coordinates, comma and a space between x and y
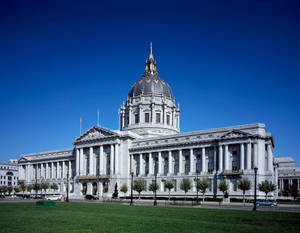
46, 170
209, 159
282, 182
101, 163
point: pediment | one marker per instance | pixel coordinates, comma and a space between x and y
235, 134
22, 159
93, 133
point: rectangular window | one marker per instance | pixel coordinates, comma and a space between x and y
234, 161
234, 185
158, 118
147, 117
168, 119
136, 118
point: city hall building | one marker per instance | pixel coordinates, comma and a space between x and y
149, 142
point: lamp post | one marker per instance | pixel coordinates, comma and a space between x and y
131, 197
67, 200
36, 167
197, 200
155, 182
255, 175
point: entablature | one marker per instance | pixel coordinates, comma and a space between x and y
48, 156
181, 141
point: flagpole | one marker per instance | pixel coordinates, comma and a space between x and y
98, 123
80, 125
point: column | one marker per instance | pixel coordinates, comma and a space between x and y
220, 158
203, 160
57, 170
226, 158
270, 157
129, 115
249, 155
131, 169
261, 155
112, 162
52, 170
101, 161
27, 172
81, 162
42, 170
215, 158
255, 155
141, 165
77, 162
47, 171
242, 160
152, 113
164, 115
159, 164
63, 163
70, 168
173, 118
91, 161
180, 158
150, 164
117, 159
192, 168
170, 162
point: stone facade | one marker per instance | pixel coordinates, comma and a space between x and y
9, 174
287, 172
149, 142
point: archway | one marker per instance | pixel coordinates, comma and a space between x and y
84, 188
94, 188
105, 187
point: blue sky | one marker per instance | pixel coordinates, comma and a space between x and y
227, 62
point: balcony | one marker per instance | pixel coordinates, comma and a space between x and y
233, 172
93, 177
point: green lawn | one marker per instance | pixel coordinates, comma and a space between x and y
96, 217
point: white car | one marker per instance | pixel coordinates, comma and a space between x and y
53, 197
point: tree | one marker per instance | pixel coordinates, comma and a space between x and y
116, 193
294, 191
54, 186
139, 185
45, 186
203, 185
169, 185
124, 189
9, 190
29, 187
3, 189
266, 187
23, 186
153, 187
37, 187
223, 187
185, 185
244, 185
16, 189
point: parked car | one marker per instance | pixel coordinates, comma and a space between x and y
53, 197
90, 197
266, 203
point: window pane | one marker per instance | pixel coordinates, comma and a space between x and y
137, 119
147, 117
157, 117
168, 119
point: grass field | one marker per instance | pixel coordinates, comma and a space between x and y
96, 217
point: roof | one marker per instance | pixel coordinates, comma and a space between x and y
284, 159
